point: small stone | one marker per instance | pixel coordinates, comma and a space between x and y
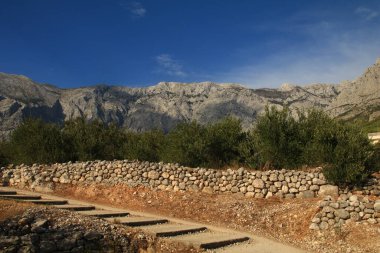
334, 205
182, 186
353, 198
376, 207
370, 211
324, 225
314, 226
39, 226
317, 181
208, 190
234, 189
307, 194
341, 213
314, 188
153, 174
258, 183
165, 175
328, 190
92, 236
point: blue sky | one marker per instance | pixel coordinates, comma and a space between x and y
72, 43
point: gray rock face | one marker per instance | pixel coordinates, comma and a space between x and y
167, 103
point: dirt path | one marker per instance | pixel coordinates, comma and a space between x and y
213, 233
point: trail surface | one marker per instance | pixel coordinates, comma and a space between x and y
217, 239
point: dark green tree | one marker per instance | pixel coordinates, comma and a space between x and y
223, 140
94, 140
277, 139
144, 146
37, 142
351, 160
3, 155
247, 150
186, 144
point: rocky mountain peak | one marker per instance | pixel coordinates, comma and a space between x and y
167, 103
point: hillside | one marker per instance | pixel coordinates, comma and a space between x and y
167, 103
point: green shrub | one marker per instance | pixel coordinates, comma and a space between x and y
351, 160
277, 139
37, 142
247, 150
93, 140
317, 136
144, 146
186, 144
223, 140
3, 156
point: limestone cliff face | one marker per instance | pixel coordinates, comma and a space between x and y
167, 103
359, 98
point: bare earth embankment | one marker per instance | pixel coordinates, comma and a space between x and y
284, 220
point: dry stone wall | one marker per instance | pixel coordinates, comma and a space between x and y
335, 212
166, 176
259, 184
337, 206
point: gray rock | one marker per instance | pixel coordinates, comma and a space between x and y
328, 190
307, 194
208, 190
92, 236
324, 225
317, 181
234, 189
153, 175
342, 214
314, 226
258, 183
39, 226
376, 207
182, 186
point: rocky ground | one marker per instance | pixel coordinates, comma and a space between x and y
29, 228
285, 220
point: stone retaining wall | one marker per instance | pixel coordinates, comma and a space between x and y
259, 184
334, 213
337, 207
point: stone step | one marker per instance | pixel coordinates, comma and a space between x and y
211, 240
20, 197
47, 202
136, 221
75, 207
244, 247
170, 229
104, 213
2, 192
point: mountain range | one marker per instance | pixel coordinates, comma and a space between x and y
166, 104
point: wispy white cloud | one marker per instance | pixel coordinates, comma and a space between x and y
169, 66
330, 55
136, 9
366, 13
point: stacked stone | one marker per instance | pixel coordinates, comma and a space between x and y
346, 207
371, 188
258, 184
